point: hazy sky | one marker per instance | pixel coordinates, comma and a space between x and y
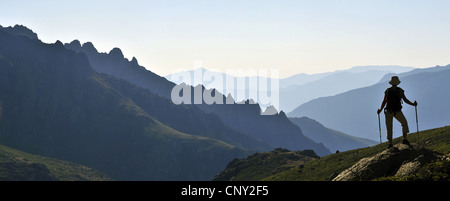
293, 36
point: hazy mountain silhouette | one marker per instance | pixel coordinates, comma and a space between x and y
334, 83
354, 112
388, 68
333, 140
438, 68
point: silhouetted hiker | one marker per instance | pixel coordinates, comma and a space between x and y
393, 98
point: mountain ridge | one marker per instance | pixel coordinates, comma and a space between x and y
333, 140
114, 63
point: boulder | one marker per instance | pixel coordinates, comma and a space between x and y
400, 160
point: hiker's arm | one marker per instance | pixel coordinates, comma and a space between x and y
407, 101
382, 105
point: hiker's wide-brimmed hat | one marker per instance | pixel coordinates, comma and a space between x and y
394, 80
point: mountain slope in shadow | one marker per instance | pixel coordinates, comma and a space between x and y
54, 104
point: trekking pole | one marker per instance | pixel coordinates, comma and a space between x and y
379, 126
417, 123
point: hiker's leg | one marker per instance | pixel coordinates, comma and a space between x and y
401, 118
388, 116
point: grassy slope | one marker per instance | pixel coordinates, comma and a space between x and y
322, 169
60, 170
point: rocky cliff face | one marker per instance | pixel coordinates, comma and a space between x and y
401, 160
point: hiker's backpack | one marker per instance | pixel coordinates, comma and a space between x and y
394, 98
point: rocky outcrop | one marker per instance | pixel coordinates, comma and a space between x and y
260, 165
400, 160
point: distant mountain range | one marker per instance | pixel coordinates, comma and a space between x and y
300, 88
354, 112
334, 83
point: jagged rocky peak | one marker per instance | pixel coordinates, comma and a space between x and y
58, 43
134, 61
89, 47
75, 44
116, 53
21, 30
